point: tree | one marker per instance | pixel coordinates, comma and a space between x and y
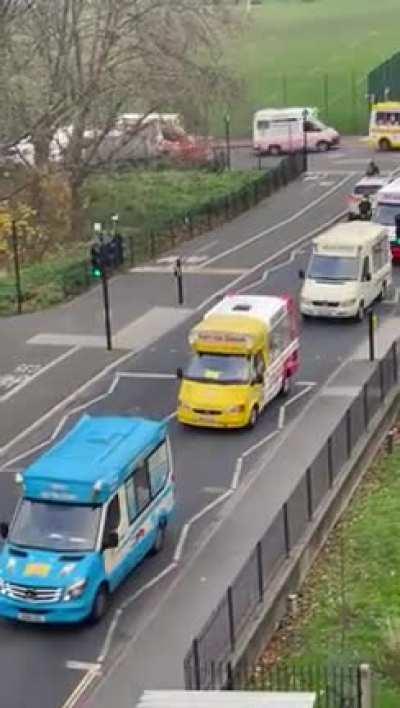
81, 62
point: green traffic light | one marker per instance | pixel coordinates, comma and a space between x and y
96, 272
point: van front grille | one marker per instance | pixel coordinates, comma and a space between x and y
325, 303
31, 594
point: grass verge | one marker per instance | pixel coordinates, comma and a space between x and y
149, 203
350, 604
311, 53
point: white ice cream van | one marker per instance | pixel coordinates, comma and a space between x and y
279, 130
349, 268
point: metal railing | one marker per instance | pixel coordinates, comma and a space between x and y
222, 633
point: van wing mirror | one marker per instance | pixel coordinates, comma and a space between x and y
368, 277
179, 373
111, 540
4, 529
258, 379
302, 274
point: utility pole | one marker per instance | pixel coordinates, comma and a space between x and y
106, 301
16, 267
227, 120
305, 146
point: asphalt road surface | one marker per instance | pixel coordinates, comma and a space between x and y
261, 253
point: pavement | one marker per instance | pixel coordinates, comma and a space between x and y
54, 366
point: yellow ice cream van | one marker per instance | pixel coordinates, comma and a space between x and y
245, 352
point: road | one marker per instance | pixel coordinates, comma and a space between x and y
260, 252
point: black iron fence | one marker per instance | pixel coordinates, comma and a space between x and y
206, 661
141, 246
384, 80
65, 280
335, 686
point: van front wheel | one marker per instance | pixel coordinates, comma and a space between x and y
360, 312
322, 146
100, 604
253, 417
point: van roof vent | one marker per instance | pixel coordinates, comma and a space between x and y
241, 307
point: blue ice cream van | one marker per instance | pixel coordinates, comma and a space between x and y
92, 507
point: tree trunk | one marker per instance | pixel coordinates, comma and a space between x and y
77, 218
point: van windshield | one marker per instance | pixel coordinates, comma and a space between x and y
55, 527
385, 214
219, 369
333, 268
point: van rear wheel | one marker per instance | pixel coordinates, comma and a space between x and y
159, 540
384, 145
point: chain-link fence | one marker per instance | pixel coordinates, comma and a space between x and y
384, 80
220, 637
341, 99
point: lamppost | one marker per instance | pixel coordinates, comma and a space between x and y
99, 269
305, 158
227, 120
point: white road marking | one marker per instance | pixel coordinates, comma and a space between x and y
281, 224
188, 270
28, 379
285, 249
207, 247
59, 406
144, 375
83, 666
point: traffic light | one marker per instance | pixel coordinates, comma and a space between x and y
397, 226
96, 261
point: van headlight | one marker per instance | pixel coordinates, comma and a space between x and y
305, 300
236, 409
2, 586
74, 591
183, 406
348, 303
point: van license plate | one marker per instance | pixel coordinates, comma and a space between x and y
207, 419
31, 617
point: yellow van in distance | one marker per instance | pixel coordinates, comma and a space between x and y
245, 352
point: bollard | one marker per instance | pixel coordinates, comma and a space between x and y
365, 685
179, 280
390, 442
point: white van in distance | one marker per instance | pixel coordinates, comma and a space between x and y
350, 267
280, 130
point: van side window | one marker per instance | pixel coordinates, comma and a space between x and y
280, 337
158, 469
113, 516
142, 488
259, 364
131, 499
366, 269
379, 255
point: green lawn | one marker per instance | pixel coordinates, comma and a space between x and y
353, 593
312, 53
149, 199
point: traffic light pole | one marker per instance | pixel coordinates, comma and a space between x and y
106, 300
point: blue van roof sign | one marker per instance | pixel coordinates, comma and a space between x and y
92, 460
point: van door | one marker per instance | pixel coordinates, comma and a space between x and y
138, 497
368, 287
116, 520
